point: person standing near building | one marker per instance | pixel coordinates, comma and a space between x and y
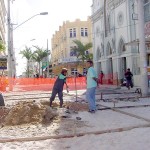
128, 75
92, 82
58, 87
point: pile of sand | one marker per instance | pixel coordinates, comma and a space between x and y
76, 106
29, 112
3, 113
35, 112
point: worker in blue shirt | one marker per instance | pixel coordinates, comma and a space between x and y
58, 87
92, 83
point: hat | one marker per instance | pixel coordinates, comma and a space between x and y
64, 70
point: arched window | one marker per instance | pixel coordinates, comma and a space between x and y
109, 49
122, 47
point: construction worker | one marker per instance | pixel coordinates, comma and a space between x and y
58, 87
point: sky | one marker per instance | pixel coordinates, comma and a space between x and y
40, 27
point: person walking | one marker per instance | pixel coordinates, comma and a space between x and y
58, 87
128, 75
92, 82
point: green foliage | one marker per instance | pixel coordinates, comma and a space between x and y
39, 54
27, 53
2, 46
81, 49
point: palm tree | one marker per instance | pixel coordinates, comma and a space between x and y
2, 46
27, 53
39, 54
80, 51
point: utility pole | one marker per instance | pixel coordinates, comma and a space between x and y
9, 46
47, 61
142, 49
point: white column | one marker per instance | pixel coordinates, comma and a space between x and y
142, 49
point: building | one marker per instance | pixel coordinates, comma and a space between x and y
3, 59
147, 29
115, 37
2, 20
62, 43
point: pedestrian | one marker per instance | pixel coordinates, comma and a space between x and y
128, 76
58, 87
92, 82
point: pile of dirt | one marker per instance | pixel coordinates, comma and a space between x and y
29, 112
76, 106
3, 113
35, 112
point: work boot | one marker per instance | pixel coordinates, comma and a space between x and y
61, 104
50, 103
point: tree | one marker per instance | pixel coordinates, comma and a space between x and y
27, 53
2, 46
39, 54
89, 56
81, 51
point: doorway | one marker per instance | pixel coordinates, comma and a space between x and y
123, 66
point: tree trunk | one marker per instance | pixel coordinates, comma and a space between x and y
28, 69
39, 68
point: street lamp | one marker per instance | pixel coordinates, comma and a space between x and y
10, 40
42, 13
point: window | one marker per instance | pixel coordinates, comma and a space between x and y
109, 49
122, 46
72, 32
86, 52
72, 51
147, 10
73, 71
84, 31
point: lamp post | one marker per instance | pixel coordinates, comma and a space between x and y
10, 40
42, 13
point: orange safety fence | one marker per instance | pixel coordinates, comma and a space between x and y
109, 79
40, 84
46, 84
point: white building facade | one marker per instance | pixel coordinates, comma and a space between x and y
115, 38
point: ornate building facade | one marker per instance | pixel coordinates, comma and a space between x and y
115, 37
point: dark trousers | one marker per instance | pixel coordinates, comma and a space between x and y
60, 95
129, 83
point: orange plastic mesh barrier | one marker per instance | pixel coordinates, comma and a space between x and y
46, 84
40, 84
109, 79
